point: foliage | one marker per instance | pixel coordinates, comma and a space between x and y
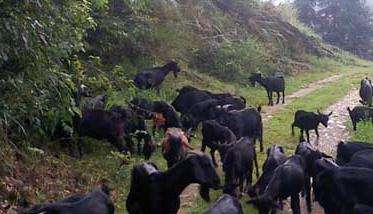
233, 61
37, 39
290, 14
344, 23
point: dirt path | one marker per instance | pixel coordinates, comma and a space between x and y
189, 195
337, 130
268, 112
329, 137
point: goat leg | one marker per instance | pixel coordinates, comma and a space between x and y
269, 98
317, 133
295, 207
203, 147
278, 97
256, 165
308, 193
212, 153
261, 143
308, 135
80, 145
292, 129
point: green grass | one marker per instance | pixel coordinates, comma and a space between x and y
363, 133
322, 68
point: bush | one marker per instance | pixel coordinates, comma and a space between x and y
37, 39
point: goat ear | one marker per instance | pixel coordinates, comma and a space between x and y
330, 113
348, 109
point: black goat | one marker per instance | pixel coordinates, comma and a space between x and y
287, 180
324, 164
149, 144
309, 121
238, 163
226, 204
102, 125
230, 102
362, 158
309, 155
275, 157
142, 107
157, 192
169, 113
360, 113
210, 109
212, 133
184, 101
244, 123
202, 111
96, 202
271, 84
134, 126
153, 78
186, 89
366, 92
338, 190
345, 150
189, 96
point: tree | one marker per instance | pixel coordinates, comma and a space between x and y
306, 10
344, 23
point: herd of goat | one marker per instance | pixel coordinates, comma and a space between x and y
232, 129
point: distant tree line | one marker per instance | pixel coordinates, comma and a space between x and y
345, 23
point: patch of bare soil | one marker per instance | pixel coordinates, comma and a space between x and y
337, 130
